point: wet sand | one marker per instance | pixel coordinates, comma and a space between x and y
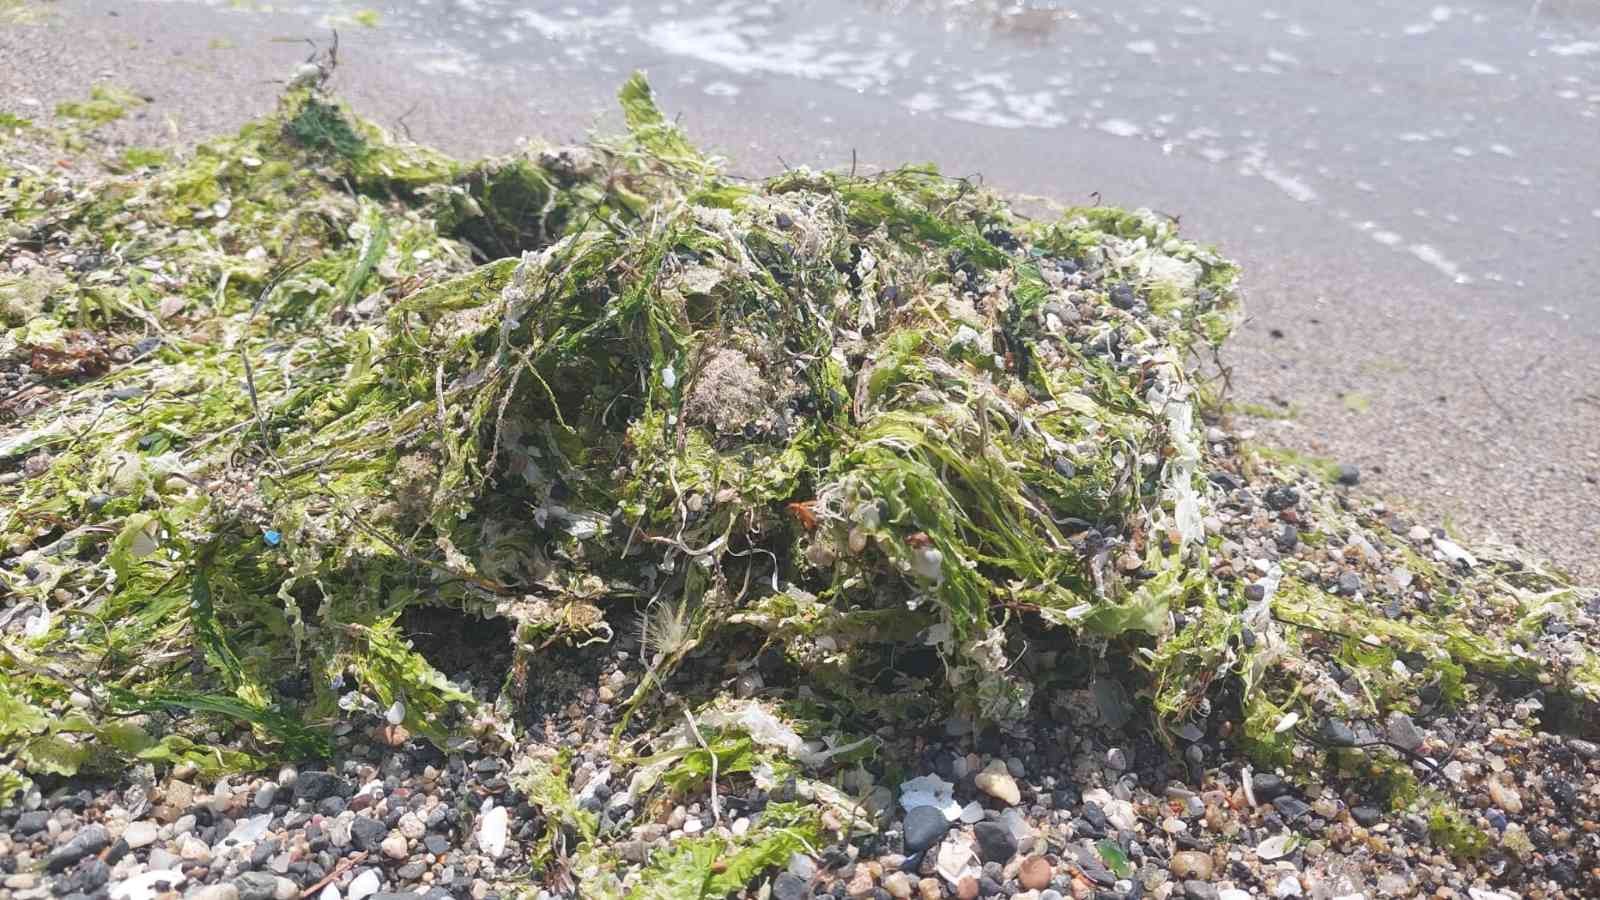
1414, 194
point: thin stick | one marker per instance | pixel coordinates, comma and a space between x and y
1492, 399
716, 805
343, 866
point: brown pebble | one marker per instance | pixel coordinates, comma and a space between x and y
1035, 873
863, 884
1191, 864
967, 888
929, 889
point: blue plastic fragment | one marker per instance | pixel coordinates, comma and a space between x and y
273, 538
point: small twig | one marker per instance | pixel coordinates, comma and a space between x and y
1434, 768
249, 371
716, 805
343, 866
401, 121
1492, 399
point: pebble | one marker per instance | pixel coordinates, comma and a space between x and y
314, 786
788, 887
89, 840
193, 849
996, 781
996, 842
898, 884
256, 886
1199, 890
394, 846
412, 827
801, 866
1291, 808
1035, 873
140, 834
365, 884
924, 826
265, 796
1403, 731
367, 833
492, 832
1191, 864
1338, 733
215, 892
31, 823
1505, 796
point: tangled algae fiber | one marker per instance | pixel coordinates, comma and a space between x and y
292, 386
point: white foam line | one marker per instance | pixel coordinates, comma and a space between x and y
1431, 255
1576, 48
1296, 189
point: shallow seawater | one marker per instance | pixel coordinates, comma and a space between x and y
1427, 128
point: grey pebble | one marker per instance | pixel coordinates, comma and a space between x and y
89, 840
265, 796
924, 827
256, 886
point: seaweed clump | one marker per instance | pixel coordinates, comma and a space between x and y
843, 419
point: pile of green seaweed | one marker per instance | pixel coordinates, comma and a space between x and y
264, 399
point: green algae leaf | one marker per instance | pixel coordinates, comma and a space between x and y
653, 132
212, 762
139, 538
53, 754
322, 125
208, 632
106, 103
296, 738
734, 754
373, 246
142, 158
394, 671
710, 869
770, 849
18, 717
13, 786
684, 873
1454, 832
547, 783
